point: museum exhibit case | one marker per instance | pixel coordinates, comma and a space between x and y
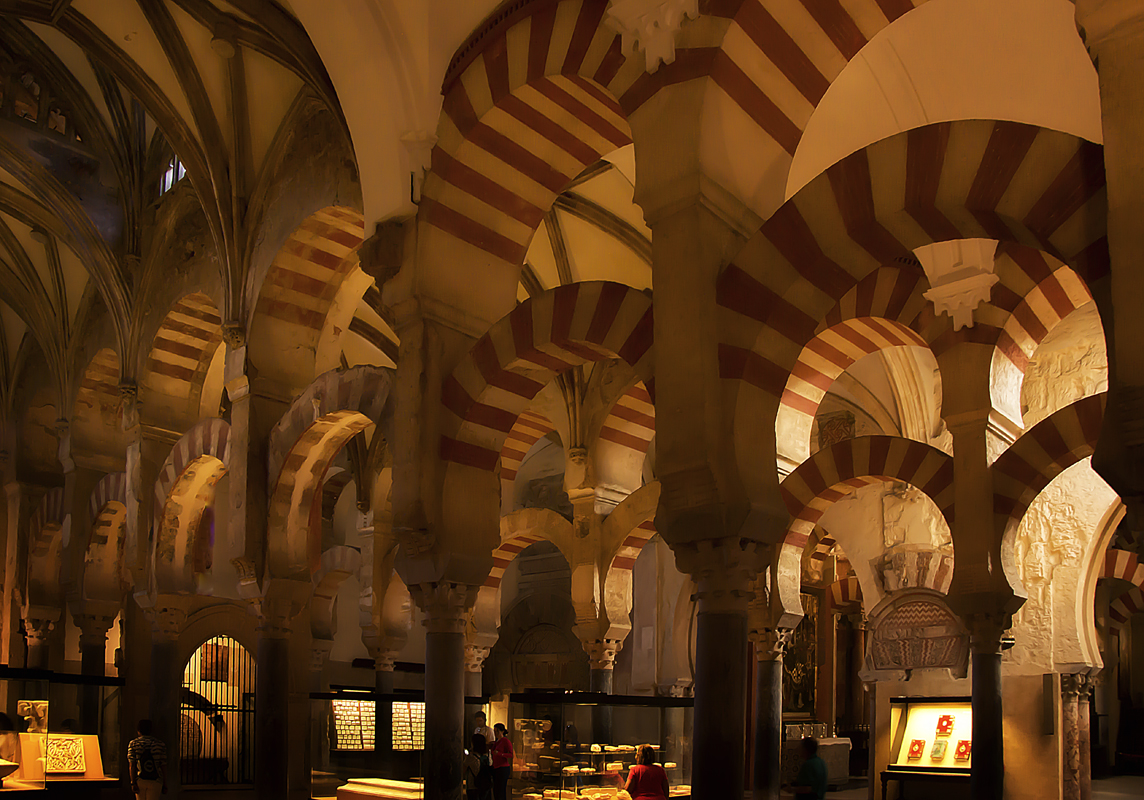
573, 744
366, 743
59, 732
931, 742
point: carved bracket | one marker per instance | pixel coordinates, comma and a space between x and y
651, 26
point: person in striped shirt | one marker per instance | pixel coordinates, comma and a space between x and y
147, 764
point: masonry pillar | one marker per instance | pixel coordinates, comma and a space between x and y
383, 669
318, 753
19, 507
769, 648
987, 773
445, 606
167, 618
277, 608
858, 656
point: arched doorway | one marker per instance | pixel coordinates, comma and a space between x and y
216, 715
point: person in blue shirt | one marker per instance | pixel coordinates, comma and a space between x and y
811, 780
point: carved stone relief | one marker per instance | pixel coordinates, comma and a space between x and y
917, 631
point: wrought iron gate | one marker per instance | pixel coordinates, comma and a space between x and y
216, 740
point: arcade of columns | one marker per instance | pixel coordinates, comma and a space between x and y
741, 290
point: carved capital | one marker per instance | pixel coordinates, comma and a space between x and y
722, 570
475, 656
602, 652
446, 605
278, 606
651, 26
234, 334
37, 630
771, 643
961, 276
167, 621
93, 629
986, 631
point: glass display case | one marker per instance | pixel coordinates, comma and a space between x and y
583, 744
371, 742
931, 742
59, 731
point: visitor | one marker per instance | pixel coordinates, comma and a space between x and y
147, 764
478, 770
482, 726
502, 758
811, 779
647, 780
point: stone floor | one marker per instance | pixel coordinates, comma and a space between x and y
1123, 786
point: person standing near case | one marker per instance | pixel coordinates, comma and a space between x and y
147, 764
647, 780
482, 726
811, 780
502, 757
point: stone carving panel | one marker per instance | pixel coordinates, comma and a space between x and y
920, 633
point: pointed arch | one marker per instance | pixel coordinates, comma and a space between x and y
334, 408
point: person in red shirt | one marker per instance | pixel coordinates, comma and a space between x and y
502, 757
646, 779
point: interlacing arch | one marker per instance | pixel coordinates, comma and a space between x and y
540, 338
184, 491
1042, 453
335, 407
529, 428
972, 179
1125, 566
529, 102
833, 472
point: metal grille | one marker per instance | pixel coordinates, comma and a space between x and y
216, 741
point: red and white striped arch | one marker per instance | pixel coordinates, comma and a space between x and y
210, 437
506, 552
970, 179
529, 102
112, 488
529, 428
631, 422
181, 355
633, 545
836, 471
1125, 566
846, 592
542, 337
1042, 453
334, 408
97, 399
104, 571
45, 522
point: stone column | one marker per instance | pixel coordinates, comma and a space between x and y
769, 648
318, 754
19, 508
858, 688
601, 664
38, 627
1084, 697
445, 606
167, 618
987, 774
383, 712
722, 572
271, 705
871, 690
1070, 733
93, 630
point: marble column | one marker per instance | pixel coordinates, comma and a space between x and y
38, 629
1070, 733
987, 773
858, 655
167, 620
93, 630
722, 572
271, 706
601, 664
318, 754
383, 668
1084, 698
445, 606
769, 648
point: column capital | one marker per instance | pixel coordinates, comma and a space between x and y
651, 26
38, 629
1101, 21
771, 643
278, 606
93, 628
986, 630
167, 621
475, 656
319, 654
446, 605
722, 570
602, 652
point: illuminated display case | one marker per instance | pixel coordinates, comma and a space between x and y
931, 742
365, 743
585, 743
59, 732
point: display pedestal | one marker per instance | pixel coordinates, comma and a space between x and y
905, 776
372, 788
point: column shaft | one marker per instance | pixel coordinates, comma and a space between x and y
1085, 743
987, 775
768, 727
444, 713
271, 726
166, 681
383, 719
92, 655
1070, 731
720, 714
